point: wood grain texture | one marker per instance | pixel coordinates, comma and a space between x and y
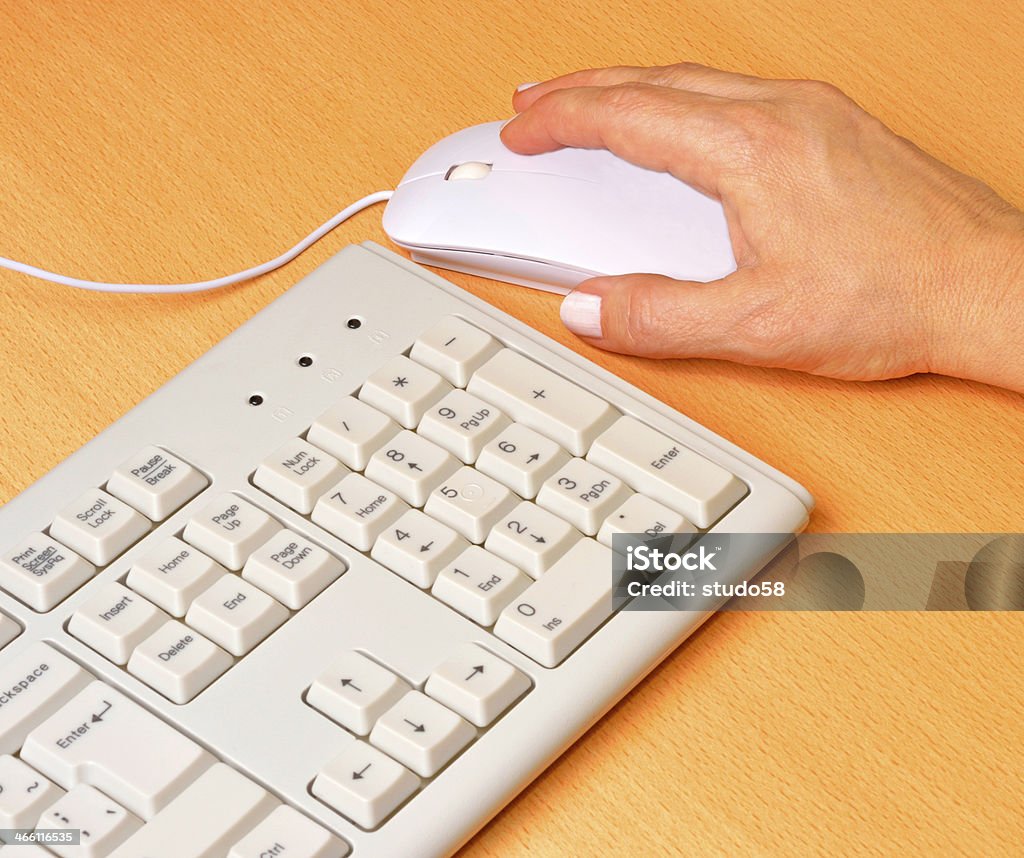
179, 140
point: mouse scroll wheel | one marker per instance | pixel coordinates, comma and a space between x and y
468, 170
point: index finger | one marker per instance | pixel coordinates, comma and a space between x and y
691, 76
691, 135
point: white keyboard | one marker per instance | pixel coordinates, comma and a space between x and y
344, 584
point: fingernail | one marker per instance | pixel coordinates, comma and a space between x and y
523, 86
581, 313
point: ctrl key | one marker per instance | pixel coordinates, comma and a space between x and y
178, 661
286, 832
364, 785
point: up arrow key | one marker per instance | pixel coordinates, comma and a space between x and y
355, 691
478, 669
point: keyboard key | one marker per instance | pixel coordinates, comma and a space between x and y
421, 733
33, 685
291, 568
42, 572
543, 400
479, 585
24, 793
462, 424
583, 494
9, 630
102, 824
357, 511
417, 547
455, 349
173, 574
288, 833
212, 812
178, 662
355, 691
115, 620
559, 611
297, 473
352, 431
470, 503
531, 538
229, 529
521, 459
156, 483
110, 742
667, 471
98, 526
644, 516
411, 466
364, 785
476, 684
235, 615
404, 390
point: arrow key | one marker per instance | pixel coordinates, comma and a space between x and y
421, 733
532, 538
417, 547
477, 684
364, 784
355, 691
521, 459
411, 466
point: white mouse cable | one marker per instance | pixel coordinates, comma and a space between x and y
203, 285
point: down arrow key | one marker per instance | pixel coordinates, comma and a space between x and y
421, 733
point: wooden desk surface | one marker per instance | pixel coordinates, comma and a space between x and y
174, 141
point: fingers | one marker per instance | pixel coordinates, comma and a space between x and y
741, 318
691, 135
691, 76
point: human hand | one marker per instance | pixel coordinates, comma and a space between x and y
859, 256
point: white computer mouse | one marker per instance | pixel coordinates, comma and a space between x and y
552, 220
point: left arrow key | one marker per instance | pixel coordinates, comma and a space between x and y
364, 785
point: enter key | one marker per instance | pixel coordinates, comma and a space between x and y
666, 471
103, 739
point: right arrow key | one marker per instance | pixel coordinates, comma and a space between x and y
477, 684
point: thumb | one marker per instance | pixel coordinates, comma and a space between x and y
740, 318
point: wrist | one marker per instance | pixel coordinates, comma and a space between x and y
982, 337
